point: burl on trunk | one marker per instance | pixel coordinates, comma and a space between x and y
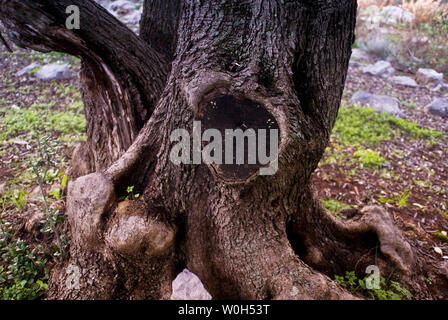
230, 64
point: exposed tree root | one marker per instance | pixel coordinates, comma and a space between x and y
334, 246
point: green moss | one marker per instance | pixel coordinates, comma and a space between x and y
358, 125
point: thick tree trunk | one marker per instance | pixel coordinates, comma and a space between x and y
245, 235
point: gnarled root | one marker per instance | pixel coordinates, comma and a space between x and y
334, 246
121, 252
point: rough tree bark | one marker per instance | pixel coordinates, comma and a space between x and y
246, 236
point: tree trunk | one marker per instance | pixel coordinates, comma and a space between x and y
226, 64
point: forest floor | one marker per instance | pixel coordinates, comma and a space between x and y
373, 158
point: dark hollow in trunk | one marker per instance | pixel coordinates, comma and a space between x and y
246, 236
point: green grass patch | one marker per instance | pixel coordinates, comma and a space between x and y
335, 207
358, 125
41, 118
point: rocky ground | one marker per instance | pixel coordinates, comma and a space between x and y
389, 147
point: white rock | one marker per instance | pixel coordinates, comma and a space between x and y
133, 17
438, 107
428, 76
438, 250
441, 87
378, 102
21, 143
122, 7
28, 69
394, 15
381, 68
54, 71
404, 81
358, 54
187, 286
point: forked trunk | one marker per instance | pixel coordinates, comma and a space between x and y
257, 64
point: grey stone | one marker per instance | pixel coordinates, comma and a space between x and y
122, 7
54, 71
444, 87
404, 81
358, 54
438, 107
394, 15
441, 87
28, 69
133, 17
187, 286
378, 102
21, 143
428, 76
380, 68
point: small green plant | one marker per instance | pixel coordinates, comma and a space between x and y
400, 200
403, 199
130, 194
389, 290
42, 164
409, 105
369, 158
14, 197
444, 215
52, 219
335, 207
441, 235
59, 192
23, 272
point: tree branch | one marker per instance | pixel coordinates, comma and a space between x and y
40, 25
122, 75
